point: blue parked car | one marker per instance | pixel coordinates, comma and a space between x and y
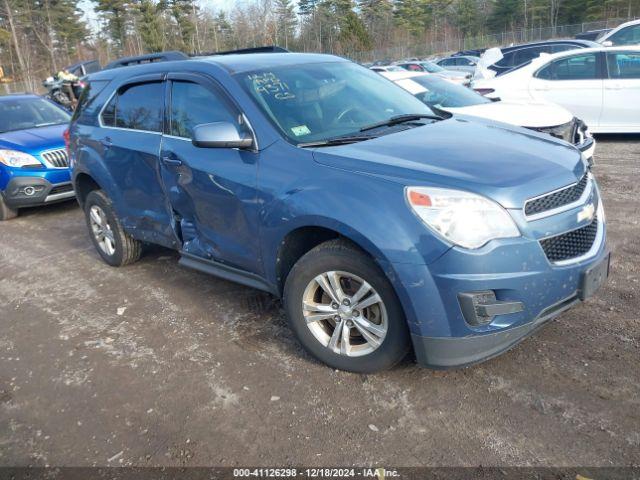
34, 169
384, 226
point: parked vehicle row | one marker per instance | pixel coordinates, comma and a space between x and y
543, 117
462, 78
598, 85
384, 225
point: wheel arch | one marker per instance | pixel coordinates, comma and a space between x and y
83, 185
299, 240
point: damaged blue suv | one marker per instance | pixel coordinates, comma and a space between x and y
384, 226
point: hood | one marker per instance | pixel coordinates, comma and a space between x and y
507, 164
34, 140
530, 115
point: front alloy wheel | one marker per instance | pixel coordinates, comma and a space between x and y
344, 313
344, 310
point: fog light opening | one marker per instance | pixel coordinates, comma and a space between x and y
480, 308
29, 191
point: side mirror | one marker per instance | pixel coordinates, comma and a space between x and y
607, 43
219, 135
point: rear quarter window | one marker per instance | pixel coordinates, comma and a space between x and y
89, 93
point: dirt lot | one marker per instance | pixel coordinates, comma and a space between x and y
154, 364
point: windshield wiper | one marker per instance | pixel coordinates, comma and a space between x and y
337, 141
400, 119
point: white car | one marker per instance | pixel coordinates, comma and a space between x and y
625, 34
442, 94
386, 68
599, 85
456, 76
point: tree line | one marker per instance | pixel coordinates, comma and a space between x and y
38, 37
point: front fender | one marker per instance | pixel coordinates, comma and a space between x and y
370, 211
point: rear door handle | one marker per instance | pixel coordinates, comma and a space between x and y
172, 161
106, 142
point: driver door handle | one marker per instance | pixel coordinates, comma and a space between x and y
172, 161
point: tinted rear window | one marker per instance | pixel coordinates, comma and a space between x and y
136, 107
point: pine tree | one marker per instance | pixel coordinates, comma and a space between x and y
151, 16
285, 19
183, 12
114, 13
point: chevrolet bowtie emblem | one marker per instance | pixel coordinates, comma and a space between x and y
586, 213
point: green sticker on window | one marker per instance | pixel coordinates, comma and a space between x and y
300, 130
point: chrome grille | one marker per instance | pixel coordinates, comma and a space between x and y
571, 244
559, 198
56, 158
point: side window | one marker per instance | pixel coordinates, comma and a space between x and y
192, 105
577, 67
92, 67
507, 60
136, 107
526, 55
627, 36
623, 65
446, 63
562, 48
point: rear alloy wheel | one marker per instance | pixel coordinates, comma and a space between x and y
344, 310
101, 230
115, 246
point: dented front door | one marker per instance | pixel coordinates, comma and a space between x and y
212, 191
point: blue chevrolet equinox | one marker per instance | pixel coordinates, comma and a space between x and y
33, 160
383, 225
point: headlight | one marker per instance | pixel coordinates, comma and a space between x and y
13, 158
463, 218
564, 132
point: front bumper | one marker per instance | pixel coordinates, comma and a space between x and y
32, 191
587, 147
517, 271
443, 353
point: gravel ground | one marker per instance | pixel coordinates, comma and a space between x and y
154, 364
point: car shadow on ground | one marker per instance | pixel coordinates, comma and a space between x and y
617, 137
52, 209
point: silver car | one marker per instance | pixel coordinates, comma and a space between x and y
462, 63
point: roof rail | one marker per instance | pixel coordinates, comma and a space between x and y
148, 58
268, 49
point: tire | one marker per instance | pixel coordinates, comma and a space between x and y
6, 212
353, 269
116, 247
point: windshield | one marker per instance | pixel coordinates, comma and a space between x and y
432, 67
441, 93
24, 113
320, 101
